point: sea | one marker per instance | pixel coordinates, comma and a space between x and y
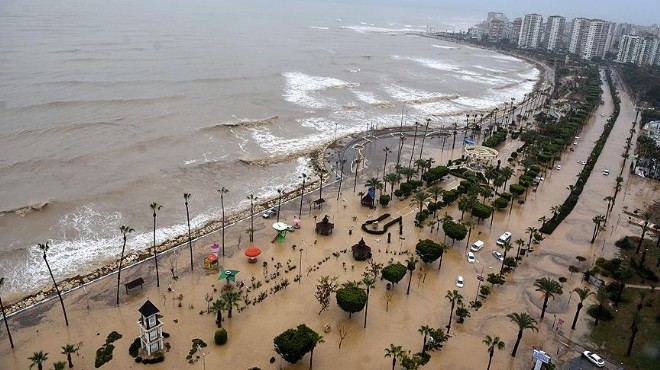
108, 106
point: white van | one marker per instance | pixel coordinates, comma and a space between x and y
506, 237
476, 246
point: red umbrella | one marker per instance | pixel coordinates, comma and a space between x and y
252, 253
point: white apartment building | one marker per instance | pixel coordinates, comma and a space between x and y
590, 37
638, 49
554, 31
530, 31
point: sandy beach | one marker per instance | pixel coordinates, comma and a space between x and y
93, 313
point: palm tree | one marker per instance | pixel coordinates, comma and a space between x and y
67, 350
524, 321
622, 274
506, 173
411, 262
217, 307
4, 316
598, 220
609, 200
647, 217
634, 328
316, 340
302, 190
436, 192
369, 283
583, 293
155, 207
469, 225
395, 352
186, 196
520, 242
443, 248
44, 248
531, 230
38, 358
492, 343
252, 199
392, 178
374, 183
555, 210
124, 230
279, 202
222, 192
408, 172
601, 296
231, 298
454, 297
59, 365
507, 247
425, 330
548, 287
420, 199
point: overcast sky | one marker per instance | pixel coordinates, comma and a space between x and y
642, 12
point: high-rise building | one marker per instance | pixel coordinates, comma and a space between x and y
554, 31
496, 30
578, 39
590, 37
638, 49
515, 30
530, 31
496, 16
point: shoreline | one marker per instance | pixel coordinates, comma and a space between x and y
318, 158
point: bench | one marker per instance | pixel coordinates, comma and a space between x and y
134, 284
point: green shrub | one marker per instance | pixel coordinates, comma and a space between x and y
220, 336
112, 337
103, 355
135, 347
605, 314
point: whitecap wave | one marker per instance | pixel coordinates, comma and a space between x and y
319, 27
373, 29
302, 89
429, 63
444, 47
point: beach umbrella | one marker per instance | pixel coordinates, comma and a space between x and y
252, 254
229, 275
280, 226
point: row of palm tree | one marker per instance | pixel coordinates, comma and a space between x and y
39, 358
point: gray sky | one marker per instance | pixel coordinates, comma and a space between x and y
642, 12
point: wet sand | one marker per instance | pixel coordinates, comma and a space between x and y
93, 314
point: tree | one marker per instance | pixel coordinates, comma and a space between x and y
507, 247
392, 178
155, 207
316, 340
425, 330
186, 196
411, 262
462, 312
59, 365
217, 307
324, 289
351, 298
435, 191
124, 230
443, 248
252, 199
647, 217
394, 272
466, 202
454, 297
69, 349
583, 293
634, 328
601, 296
222, 192
548, 287
38, 358
231, 298
495, 279
524, 321
428, 250
342, 331
481, 211
420, 199
492, 343
506, 173
622, 274
44, 248
598, 220
4, 316
520, 242
395, 352
279, 202
454, 230
531, 230
293, 344
469, 225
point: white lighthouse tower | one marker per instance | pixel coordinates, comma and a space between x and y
151, 329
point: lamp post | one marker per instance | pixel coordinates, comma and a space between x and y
398, 154
386, 150
412, 151
302, 194
300, 266
426, 129
341, 176
357, 165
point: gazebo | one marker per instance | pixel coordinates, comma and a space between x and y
325, 226
369, 199
361, 251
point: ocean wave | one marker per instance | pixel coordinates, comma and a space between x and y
243, 123
372, 29
444, 47
412, 96
319, 27
429, 63
74, 104
26, 210
301, 87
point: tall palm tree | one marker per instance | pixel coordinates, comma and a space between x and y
506, 173
38, 358
531, 230
4, 316
124, 230
622, 274
252, 199
609, 200
395, 352
647, 217
231, 299
411, 262
186, 196
369, 283
454, 297
420, 199
583, 293
392, 178
374, 183
426, 129
155, 207
425, 330
469, 225
598, 220
222, 192
443, 248
524, 321
548, 287
507, 247
316, 340
69, 349
387, 150
408, 172
492, 343
520, 242
217, 307
279, 202
634, 328
601, 296
44, 248
436, 192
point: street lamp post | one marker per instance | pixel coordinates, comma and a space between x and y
300, 266
357, 165
341, 176
386, 150
302, 194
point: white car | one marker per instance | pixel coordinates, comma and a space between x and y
582, 162
470, 257
606, 172
459, 281
498, 255
558, 167
270, 213
594, 358
476, 246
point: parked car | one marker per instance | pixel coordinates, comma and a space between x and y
606, 172
459, 281
558, 167
270, 212
470, 257
476, 246
506, 237
594, 358
498, 255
